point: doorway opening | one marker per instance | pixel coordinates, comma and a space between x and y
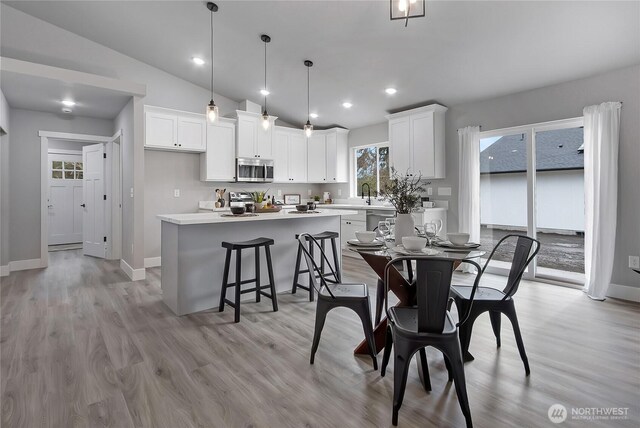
81, 192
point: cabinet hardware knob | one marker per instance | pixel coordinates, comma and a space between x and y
83, 205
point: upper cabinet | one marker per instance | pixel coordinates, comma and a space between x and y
328, 156
218, 162
166, 129
289, 155
252, 140
416, 138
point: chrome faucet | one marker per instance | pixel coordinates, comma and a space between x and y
368, 192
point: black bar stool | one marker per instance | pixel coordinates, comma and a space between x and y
321, 238
238, 247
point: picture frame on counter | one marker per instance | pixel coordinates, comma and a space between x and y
292, 199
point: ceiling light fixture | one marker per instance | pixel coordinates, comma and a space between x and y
405, 9
314, 115
66, 110
308, 127
212, 108
347, 104
265, 116
68, 103
390, 91
197, 60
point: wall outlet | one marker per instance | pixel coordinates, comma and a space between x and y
309, 192
176, 193
430, 191
279, 192
634, 262
339, 192
132, 192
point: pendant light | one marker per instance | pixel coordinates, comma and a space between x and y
406, 9
308, 127
265, 116
212, 108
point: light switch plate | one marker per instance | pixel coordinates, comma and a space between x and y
132, 192
176, 193
279, 192
430, 191
634, 262
339, 192
309, 192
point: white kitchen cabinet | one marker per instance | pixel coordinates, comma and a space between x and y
417, 141
317, 158
289, 155
252, 140
174, 130
348, 229
218, 162
328, 156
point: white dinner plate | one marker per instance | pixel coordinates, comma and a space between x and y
357, 243
467, 246
424, 251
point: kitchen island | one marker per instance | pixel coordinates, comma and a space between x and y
193, 258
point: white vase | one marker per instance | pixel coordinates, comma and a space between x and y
259, 205
404, 227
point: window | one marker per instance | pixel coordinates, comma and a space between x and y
66, 170
371, 166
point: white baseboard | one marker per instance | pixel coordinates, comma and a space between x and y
624, 292
133, 274
25, 264
150, 262
4, 270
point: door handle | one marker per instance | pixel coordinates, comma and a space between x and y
83, 205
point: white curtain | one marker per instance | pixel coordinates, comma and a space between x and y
469, 184
601, 139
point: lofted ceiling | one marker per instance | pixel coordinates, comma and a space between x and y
461, 51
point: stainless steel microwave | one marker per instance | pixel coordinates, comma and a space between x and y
254, 170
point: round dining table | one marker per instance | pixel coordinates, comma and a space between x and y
401, 284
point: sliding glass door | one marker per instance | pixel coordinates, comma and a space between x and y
532, 182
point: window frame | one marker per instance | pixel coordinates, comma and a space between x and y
354, 167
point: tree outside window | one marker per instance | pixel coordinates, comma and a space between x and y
371, 167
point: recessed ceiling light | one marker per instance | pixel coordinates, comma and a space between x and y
198, 60
314, 115
68, 103
347, 104
390, 91
66, 110
264, 92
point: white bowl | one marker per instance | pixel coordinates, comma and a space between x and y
414, 243
458, 238
366, 237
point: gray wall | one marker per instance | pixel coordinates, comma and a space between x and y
24, 161
67, 145
30, 39
4, 181
563, 101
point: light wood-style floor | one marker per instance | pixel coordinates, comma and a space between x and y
83, 346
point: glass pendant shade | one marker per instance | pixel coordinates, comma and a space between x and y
308, 129
265, 120
212, 112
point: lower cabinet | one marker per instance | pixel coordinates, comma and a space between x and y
351, 224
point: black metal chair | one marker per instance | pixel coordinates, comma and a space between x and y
411, 329
334, 294
494, 301
238, 247
322, 237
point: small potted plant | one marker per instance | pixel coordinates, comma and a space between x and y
316, 198
403, 192
258, 199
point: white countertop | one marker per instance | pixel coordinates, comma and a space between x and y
213, 217
367, 207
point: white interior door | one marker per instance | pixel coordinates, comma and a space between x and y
93, 213
65, 196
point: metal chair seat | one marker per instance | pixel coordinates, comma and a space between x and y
483, 293
406, 320
345, 290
